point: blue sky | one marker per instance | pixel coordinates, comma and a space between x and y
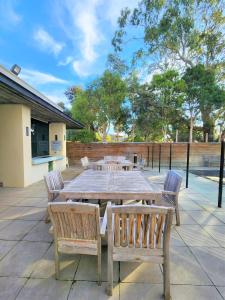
58, 43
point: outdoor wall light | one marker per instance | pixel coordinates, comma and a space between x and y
15, 69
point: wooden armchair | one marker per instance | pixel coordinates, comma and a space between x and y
86, 164
171, 191
139, 233
54, 183
77, 229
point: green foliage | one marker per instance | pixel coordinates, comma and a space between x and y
81, 135
101, 104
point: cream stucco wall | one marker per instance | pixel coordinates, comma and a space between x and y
12, 134
16, 168
58, 129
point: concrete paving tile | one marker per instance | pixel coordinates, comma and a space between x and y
87, 269
176, 240
5, 247
220, 215
22, 259
195, 235
16, 230
185, 218
212, 261
189, 205
46, 266
39, 233
184, 268
23, 213
221, 290
45, 289
140, 272
189, 292
10, 287
217, 232
4, 223
205, 218
90, 290
35, 202
141, 291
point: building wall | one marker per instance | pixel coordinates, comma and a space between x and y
58, 129
16, 168
11, 145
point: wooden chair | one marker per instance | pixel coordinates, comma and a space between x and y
112, 167
171, 191
86, 164
139, 233
54, 183
77, 229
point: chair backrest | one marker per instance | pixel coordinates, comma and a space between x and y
84, 161
76, 221
112, 167
53, 181
138, 226
114, 158
172, 182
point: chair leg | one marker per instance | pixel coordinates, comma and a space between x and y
47, 218
99, 266
177, 216
166, 281
57, 265
110, 276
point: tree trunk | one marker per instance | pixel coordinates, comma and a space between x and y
208, 126
191, 130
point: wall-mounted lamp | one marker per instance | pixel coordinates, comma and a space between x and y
15, 69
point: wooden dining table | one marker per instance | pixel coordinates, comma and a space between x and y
115, 185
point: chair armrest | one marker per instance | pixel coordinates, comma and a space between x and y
67, 181
104, 222
169, 193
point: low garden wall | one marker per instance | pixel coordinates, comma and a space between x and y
201, 154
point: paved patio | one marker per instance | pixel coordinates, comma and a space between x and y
27, 260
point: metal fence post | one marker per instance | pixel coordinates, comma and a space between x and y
170, 163
148, 157
159, 157
187, 165
220, 192
152, 156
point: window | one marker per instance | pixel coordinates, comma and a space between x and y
39, 138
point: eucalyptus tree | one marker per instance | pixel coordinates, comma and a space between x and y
179, 32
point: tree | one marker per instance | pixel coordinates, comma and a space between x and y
179, 33
169, 91
204, 95
100, 105
109, 94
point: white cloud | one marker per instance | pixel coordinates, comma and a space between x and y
80, 23
47, 42
66, 61
8, 15
36, 78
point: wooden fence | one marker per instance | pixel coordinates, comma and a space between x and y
201, 154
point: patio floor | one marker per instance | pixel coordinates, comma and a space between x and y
27, 259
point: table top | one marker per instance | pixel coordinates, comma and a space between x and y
116, 185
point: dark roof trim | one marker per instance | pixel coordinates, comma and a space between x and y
38, 100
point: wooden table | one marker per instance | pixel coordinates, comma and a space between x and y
124, 163
118, 185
